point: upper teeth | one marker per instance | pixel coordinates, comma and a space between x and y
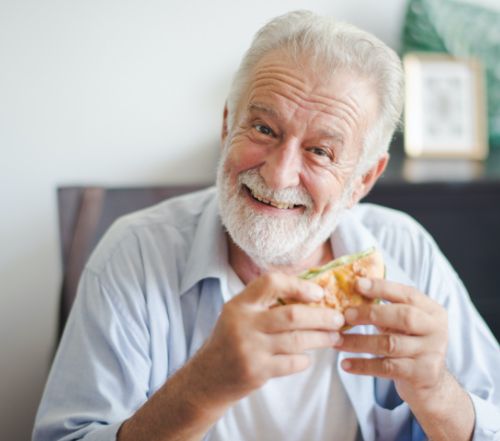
277, 204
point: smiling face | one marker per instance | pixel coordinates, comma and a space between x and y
288, 164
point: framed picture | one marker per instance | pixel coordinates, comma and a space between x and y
445, 107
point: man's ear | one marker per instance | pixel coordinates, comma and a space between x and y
224, 125
364, 183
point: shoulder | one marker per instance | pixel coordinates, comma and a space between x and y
407, 244
169, 225
376, 217
391, 226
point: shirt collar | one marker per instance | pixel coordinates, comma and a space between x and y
208, 254
351, 236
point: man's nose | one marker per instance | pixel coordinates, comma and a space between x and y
281, 168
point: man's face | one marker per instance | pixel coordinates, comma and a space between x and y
288, 163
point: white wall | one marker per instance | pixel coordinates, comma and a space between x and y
112, 92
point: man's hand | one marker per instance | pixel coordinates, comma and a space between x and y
411, 347
411, 350
254, 341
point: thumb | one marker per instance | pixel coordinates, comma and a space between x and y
270, 287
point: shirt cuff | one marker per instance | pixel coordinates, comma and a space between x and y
487, 420
103, 433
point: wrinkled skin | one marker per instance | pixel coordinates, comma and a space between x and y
411, 346
254, 341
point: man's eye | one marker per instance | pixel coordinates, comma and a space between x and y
319, 151
265, 130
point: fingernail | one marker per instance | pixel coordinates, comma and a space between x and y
350, 314
364, 285
335, 337
346, 364
338, 319
317, 292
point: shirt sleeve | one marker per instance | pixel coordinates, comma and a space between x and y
100, 374
473, 353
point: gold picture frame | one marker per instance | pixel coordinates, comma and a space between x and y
445, 107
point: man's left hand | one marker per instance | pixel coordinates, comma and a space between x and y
412, 342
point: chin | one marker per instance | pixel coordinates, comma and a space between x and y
272, 236
271, 240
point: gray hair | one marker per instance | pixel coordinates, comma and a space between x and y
332, 45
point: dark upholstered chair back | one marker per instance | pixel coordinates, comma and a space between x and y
85, 213
451, 213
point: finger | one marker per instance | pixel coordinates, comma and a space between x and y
394, 292
394, 368
299, 317
390, 345
268, 288
297, 342
398, 317
281, 365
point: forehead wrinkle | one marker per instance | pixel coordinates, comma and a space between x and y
349, 105
268, 78
340, 110
281, 73
301, 90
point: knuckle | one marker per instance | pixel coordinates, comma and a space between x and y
293, 313
271, 278
327, 316
296, 340
266, 280
442, 351
409, 319
251, 372
388, 367
371, 314
231, 310
298, 363
391, 344
408, 296
227, 309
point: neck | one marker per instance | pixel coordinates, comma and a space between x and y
247, 269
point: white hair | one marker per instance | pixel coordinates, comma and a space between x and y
333, 45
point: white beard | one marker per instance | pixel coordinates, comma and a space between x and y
273, 240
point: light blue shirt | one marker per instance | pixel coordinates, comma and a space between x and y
151, 293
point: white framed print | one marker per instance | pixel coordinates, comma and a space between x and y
445, 107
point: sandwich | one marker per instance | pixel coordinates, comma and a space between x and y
338, 278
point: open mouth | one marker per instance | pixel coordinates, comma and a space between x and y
270, 202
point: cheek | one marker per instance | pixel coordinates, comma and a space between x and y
243, 156
326, 190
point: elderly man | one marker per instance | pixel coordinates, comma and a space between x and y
174, 334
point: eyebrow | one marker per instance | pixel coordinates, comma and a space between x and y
326, 134
322, 133
259, 107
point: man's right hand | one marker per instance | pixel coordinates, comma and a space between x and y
254, 341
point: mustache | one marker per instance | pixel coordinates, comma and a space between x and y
294, 195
